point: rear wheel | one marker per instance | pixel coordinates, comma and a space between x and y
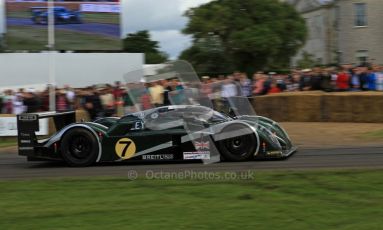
79, 147
241, 147
38, 20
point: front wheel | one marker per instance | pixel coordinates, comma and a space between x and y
39, 20
240, 145
79, 147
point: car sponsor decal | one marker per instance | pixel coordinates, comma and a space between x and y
125, 148
274, 153
199, 155
158, 157
26, 148
139, 125
28, 117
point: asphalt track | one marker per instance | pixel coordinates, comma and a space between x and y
111, 30
14, 167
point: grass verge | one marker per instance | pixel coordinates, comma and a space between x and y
374, 134
31, 38
273, 200
7, 143
87, 17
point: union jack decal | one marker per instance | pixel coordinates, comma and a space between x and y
202, 145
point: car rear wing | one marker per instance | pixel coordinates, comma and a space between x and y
28, 125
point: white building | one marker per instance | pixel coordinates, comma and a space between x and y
342, 31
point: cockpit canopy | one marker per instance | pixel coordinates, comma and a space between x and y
175, 116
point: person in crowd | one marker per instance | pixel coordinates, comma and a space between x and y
93, 103
1, 102
62, 103
371, 79
280, 80
44, 95
205, 91
259, 80
342, 81
246, 86
31, 101
363, 77
7, 102
156, 92
167, 89
274, 88
326, 84
355, 80
292, 81
70, 96
379, 78
229, 89
228, 92
146, 99
316, 79
108, 101
237, 76
334, 76
129, 99
305, 80
117, 91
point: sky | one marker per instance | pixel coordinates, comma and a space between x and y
164, 20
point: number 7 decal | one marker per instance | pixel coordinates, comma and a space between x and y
125, 148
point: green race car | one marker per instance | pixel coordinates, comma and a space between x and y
169, 133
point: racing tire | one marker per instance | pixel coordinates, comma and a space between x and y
79, 148
239, 148
38, 20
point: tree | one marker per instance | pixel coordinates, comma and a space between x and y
141, 42
255, 34
207, 56
307, 61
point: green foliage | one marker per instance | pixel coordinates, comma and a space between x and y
255, 34
207, 56
141, 42
307, 61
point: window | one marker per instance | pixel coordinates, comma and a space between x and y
318, 22
362, 56
360, 14
337, 17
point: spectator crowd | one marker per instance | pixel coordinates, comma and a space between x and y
119, 99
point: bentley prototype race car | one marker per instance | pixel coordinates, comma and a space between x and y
155, 134
189, 129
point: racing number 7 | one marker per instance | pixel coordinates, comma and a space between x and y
127, 144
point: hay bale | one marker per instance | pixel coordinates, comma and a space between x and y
271, 107
367, 108
337, 108
322, 107
304, 108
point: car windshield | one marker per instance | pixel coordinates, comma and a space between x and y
175, 116
60, 10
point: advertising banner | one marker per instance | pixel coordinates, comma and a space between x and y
8, 127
